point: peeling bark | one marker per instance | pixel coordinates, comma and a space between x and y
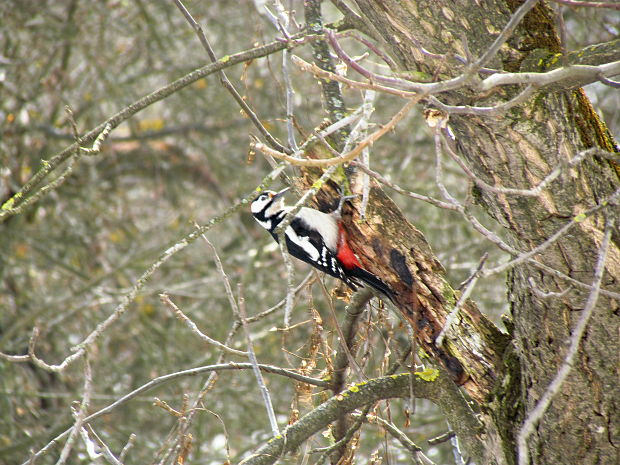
518, 150
392, 248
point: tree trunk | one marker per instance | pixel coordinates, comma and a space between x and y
518, 150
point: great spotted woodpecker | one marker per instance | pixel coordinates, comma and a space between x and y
316, 238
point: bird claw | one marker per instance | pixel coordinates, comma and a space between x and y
343, 198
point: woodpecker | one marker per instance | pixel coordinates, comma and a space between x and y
316, 238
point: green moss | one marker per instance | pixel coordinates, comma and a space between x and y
318, 184
428, 374
449, 295
416, 76
8, 204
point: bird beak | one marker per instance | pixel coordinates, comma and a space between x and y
281, 193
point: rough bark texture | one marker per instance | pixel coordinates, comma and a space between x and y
518, 150
392, 248
441, 391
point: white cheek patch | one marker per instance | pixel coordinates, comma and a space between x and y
258, 205
304, 243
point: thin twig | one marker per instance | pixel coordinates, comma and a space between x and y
344, 439
536, 414
456, 449
441, 438
238, 307
89, 432
376, 50
304, 282
9, 208
545, 295
281, 22
400, 190
318, 72
368, 141
439, 165
259, 377
400, 436
503, 36
344, 358
612, 200
469, 287
360, 130
226, 83
80, 349
180, 374
495, 110
130, 443
80, 415
532, 192
194, 328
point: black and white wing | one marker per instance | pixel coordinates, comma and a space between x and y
307, 245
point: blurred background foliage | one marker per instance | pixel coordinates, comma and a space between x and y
67, 261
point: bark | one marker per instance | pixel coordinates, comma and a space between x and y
441, 391
518, 150
392, 248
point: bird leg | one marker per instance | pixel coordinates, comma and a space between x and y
337, 213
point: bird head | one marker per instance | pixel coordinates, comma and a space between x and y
268, 202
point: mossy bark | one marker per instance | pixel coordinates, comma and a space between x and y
518, 150
441, 391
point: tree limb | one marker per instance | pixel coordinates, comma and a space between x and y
441, 391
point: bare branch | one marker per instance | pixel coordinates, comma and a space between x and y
532, 192
89, 432
181, 374
226, 83
48, 166
494, 110
469, 287
311, 68
536, 414
501, 39
348, 156
79, 415
129, 297
304, 282
575, 75
438, 392
255, 368
611, 201
127, 448
194, 328
400, 190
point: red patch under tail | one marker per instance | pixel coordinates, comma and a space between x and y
345, 254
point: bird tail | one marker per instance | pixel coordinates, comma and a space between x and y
373, 281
